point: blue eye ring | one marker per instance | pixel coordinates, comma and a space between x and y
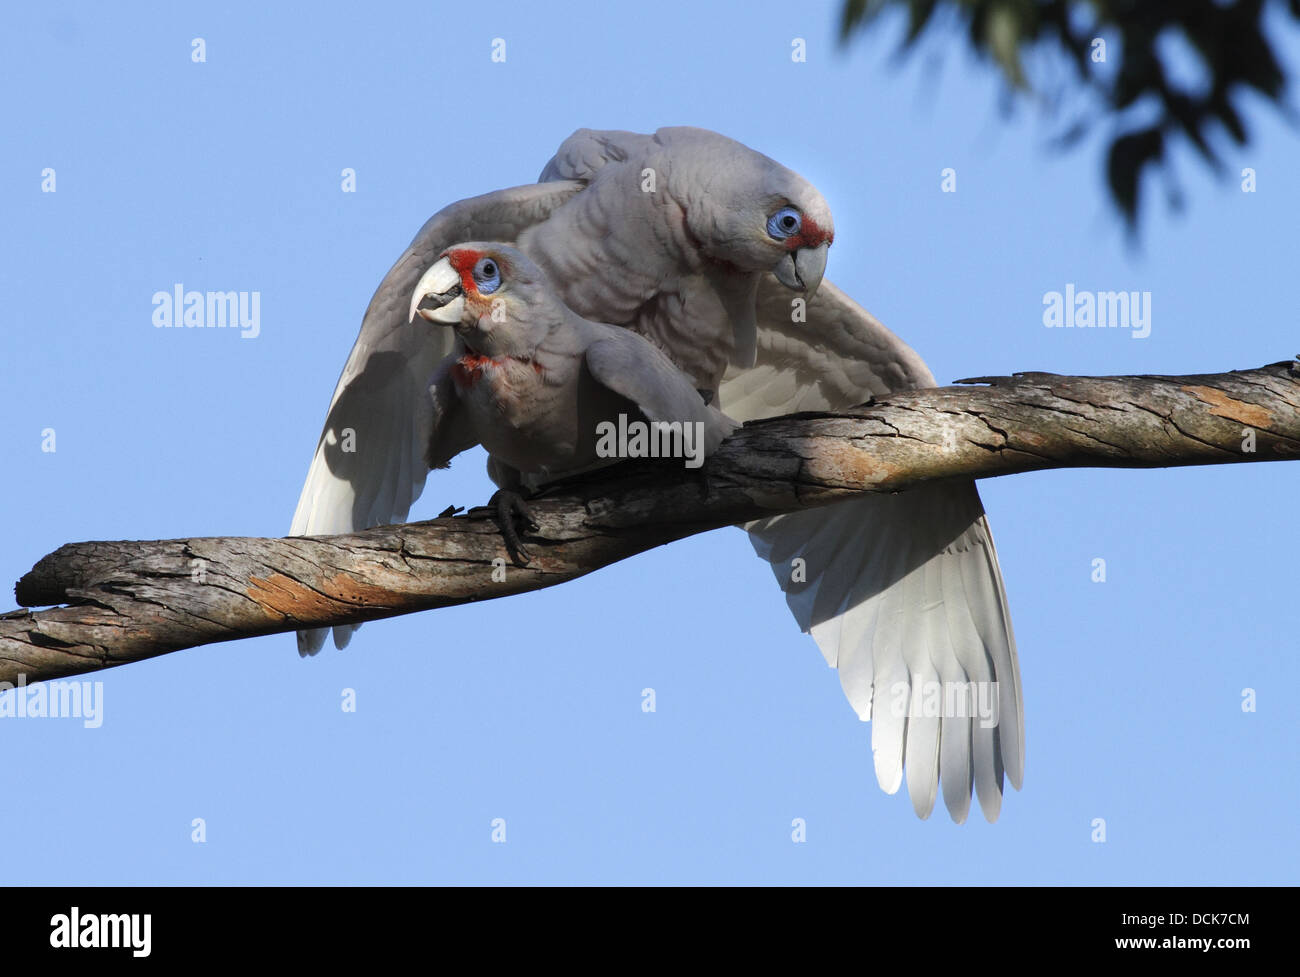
785, 223
487, 275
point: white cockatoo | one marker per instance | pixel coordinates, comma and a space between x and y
540, 387
715, 253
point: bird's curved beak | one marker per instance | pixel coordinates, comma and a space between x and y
802, 269
438, 296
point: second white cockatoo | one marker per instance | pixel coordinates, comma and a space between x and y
538, 385
715, 253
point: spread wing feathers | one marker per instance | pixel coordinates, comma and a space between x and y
369, 463
902, 593
635, 368
838, 357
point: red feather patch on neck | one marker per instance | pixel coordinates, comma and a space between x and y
466, 370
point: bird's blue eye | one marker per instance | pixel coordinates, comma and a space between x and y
784, 223
487, 275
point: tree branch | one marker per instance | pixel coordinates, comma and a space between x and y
132, 600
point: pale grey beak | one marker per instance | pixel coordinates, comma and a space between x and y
802, 269
438, 296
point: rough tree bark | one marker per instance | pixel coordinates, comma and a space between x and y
126, 601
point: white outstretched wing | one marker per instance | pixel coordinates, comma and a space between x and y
902, 593
369, 463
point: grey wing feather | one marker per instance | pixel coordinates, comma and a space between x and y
838, 357
451, 431
636, 369
368, 466
587, 150
900, 592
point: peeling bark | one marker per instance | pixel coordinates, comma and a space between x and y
129, 600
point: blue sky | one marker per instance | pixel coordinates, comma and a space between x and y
225, 175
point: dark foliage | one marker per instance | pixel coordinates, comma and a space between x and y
1228, 36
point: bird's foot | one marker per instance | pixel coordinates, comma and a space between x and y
511, 511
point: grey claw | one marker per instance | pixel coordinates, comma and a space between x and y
513, 511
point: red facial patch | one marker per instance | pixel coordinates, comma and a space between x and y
464, 260
810, 236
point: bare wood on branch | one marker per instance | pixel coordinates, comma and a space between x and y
129, 600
